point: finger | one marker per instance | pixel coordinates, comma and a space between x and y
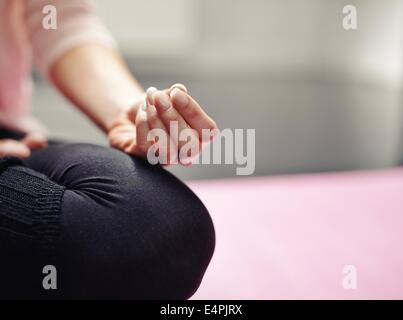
171, 118
150, 96
154, 122
141, 144
13, 148
139, 104
122, 137
152, 90
122, 134
191, 111
35, 141
179, 86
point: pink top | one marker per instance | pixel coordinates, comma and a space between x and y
23, 40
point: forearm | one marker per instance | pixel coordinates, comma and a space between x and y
96, 80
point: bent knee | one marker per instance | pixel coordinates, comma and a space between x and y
179, 234
155, 241
175, 252
160, 251
182, 257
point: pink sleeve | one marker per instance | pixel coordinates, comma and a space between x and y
77, 24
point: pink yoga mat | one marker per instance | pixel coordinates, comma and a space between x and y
289, 237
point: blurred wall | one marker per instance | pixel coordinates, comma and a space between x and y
320, 97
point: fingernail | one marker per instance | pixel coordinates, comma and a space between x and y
149, 93
164, 101
181, 98
179, 86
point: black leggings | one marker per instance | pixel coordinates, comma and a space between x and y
114, 227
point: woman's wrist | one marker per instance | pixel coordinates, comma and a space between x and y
97, 81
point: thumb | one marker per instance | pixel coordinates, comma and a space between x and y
13, 148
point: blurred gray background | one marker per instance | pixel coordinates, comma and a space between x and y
320, 98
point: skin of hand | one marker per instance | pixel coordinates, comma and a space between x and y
97, 80
22, 149
156, 110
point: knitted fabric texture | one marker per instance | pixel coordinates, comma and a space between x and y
29, 206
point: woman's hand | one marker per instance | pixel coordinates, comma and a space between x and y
22, 149
156, 111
